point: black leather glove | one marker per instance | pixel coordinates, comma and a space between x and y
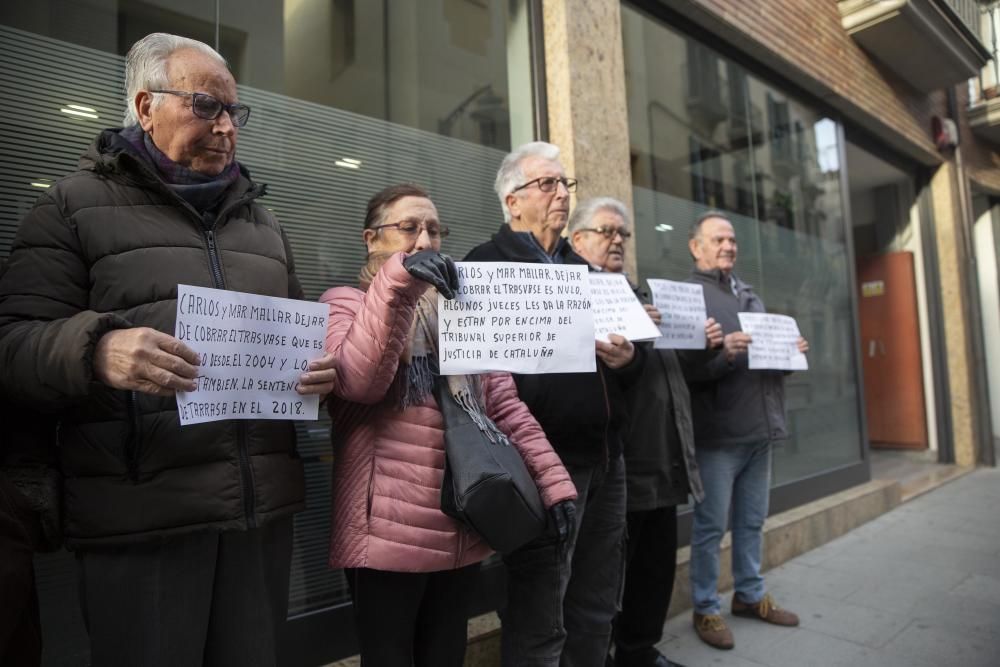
564, 519
434, 268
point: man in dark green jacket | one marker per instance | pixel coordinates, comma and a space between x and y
183, 535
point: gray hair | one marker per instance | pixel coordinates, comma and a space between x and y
586, 210
146, 66
711, 213
509, 176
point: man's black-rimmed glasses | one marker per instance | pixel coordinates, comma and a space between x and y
205, 106
549, 184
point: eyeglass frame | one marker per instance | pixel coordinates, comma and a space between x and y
603, 231
228, 108
568, 183
443, 230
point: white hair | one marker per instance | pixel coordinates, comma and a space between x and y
510, 175
146, 66
586, 210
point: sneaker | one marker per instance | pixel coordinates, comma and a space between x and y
766, 610
712, 630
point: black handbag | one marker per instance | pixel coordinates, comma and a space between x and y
486, 485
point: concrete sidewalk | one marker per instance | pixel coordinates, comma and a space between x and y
918, 586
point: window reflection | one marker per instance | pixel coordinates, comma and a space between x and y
706, 134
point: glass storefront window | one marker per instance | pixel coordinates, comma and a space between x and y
347, 97
706, 134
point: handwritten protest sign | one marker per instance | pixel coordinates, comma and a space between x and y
252, 351
775, 342
522, 318
682, 306
617, 310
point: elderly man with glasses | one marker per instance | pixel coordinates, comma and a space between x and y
183, 535
562, 596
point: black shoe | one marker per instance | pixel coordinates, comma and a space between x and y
662, 661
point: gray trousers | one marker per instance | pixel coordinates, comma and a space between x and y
202, 599
562, 599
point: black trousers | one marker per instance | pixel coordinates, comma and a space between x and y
649, 582
412, 618
201, 599
20, 626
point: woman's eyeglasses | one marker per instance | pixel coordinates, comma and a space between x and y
207, 107
411, 228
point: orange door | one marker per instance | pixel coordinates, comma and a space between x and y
890, 349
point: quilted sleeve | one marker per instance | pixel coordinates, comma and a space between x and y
367, 331
47, 332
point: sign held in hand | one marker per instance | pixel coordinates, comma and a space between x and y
521, 318
775, 343
617, 310
252, 350
682, 306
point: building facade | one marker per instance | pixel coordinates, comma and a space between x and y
856, 149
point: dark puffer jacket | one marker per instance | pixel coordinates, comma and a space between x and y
105, 248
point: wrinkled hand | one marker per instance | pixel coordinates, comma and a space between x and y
319, 378
564, 519
803, 345
146, 360
736, 343
434, 268
653, 313
619, 352
713, 333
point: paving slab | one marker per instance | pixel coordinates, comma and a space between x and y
916, 587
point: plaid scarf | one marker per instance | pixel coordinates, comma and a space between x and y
203, 192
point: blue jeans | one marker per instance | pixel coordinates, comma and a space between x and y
737, 477
562, 598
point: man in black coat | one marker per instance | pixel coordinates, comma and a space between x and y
562, 598
183, 535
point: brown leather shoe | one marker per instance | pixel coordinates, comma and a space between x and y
712, 630
765, 610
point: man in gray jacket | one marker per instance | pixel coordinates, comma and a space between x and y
738, 413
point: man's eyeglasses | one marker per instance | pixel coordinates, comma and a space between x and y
207, 107
549, 184
411, 228
609, 232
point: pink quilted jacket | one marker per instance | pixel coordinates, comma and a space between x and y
388, 464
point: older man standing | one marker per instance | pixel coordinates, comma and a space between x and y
659, 452
562, 597
183, 535
738, 414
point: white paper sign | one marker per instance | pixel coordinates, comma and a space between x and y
682, 306
775, 342
521, 318
617, 310
252, 350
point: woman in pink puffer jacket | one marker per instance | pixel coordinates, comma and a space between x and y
410, 567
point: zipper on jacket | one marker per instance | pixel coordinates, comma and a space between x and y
371, 488
213, 259
246, 475
246, 470
461, 547
135, 437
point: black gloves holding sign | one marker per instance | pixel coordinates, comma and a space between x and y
434, 268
